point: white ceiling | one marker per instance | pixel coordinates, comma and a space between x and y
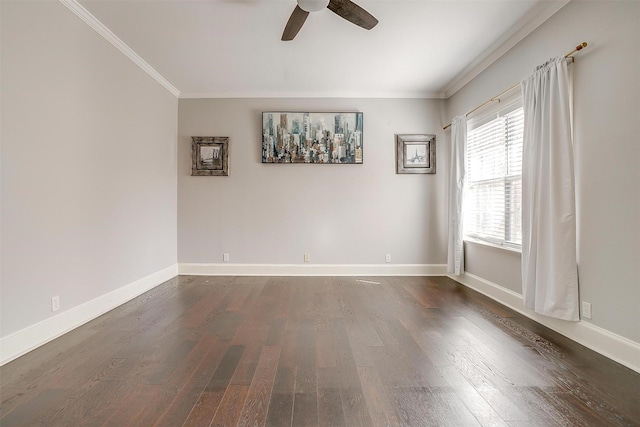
232, 48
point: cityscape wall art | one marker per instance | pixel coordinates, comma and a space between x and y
298, 137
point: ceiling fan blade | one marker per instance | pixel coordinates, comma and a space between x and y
353, 13
294, 24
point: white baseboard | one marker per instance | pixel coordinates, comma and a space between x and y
21, 342
615, 347
228, 269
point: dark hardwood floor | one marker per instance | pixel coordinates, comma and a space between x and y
315, 351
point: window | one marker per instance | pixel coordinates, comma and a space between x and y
493, 198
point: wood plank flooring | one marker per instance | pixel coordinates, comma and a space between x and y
315, 351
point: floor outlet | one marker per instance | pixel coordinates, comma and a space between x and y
55, 303
586, 310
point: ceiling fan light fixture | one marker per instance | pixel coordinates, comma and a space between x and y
313, 5
344, 8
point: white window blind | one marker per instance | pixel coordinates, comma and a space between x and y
493, 207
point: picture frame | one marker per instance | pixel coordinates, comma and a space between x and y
312, 137
415, 153
209, 156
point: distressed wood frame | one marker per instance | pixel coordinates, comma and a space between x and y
202, 147
424, 158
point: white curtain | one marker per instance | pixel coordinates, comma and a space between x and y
455, 258
549, 265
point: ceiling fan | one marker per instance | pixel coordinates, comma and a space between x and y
344, 8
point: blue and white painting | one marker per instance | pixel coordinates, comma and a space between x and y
311, 137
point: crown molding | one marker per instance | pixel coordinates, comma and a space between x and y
101, 29
307, 95
527, 24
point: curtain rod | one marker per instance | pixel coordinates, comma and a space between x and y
497, 97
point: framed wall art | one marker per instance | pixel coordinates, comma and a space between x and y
299, 137
209, 156
415, 154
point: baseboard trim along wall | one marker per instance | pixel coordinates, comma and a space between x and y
615, 347
21, 342
228, 269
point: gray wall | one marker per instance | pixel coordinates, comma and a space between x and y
607, 153
340, 214
88, 166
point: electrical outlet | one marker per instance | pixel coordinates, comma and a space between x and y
55, 303
225, 257
586, 310
387, 258
307, 257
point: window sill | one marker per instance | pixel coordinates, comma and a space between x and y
515, 249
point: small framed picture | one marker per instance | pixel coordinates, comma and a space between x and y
415, 153
209, 156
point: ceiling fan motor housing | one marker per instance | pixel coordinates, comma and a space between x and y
313, 5
343, 8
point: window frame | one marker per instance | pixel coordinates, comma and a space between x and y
504, 106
